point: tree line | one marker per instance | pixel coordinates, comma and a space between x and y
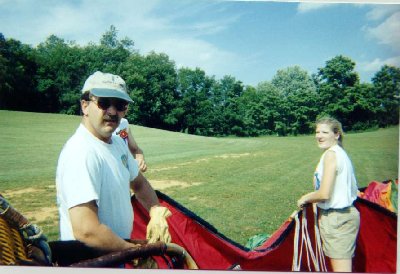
49, 77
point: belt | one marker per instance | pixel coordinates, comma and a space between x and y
344, 209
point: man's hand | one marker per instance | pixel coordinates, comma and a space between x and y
157, 229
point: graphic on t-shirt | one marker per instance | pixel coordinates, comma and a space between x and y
317, 181
123, 133
124, 159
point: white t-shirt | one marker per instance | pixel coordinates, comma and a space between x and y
345, 186
89, 169
122, 130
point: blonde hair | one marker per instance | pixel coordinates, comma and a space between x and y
335, 126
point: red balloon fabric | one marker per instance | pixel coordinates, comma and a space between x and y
211, 250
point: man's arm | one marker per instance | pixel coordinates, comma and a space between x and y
88, 229
144, 192
157, 228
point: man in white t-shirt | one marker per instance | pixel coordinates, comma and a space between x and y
125, 133
96, 171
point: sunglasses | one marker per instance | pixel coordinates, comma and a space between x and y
104, 103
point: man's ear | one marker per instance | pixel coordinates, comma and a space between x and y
84, 107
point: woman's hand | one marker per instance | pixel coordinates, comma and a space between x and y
301, 202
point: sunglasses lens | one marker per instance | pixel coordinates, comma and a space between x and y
105, 103
120, 105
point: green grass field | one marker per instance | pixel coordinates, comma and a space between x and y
242, 186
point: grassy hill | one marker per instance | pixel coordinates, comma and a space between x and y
243, 186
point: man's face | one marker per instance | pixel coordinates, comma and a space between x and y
102, 115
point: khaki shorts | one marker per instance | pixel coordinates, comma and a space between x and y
339, 229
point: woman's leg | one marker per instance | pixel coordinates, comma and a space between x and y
341, 265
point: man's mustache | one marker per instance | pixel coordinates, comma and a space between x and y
110, 118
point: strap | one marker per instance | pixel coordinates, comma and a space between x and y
316, 258
319, 250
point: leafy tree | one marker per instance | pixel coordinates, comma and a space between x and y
152, 80
49, 79
386, 88
359, 107
17, 76
299, 99
334, 81
60, 73
109, 54
110, 40
112, 51
339, 72
271, 109
63, 67
258, 110
225, 96
292, 81
194, 89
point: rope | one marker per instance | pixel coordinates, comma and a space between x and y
296, 262
319, 250
309, 248
316, 258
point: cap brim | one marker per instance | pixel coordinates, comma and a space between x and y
113, 93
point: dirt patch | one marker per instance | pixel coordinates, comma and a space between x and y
227, 156
12, 193
223, 156
42, 214
163, 184
164, 168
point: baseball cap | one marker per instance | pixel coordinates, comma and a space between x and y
102, 84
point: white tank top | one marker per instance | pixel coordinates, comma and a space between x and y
122, 130
345, 186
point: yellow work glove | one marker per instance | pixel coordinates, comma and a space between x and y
157, 229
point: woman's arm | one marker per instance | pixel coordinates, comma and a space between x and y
328, 179
136, 151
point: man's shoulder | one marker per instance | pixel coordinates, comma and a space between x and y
78, 154
77, 138
79, 142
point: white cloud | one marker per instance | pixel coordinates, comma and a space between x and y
192, 53
381, 11
305, 7
388, 32
377, 63
378, 12
85, 21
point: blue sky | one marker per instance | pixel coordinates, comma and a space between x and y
250, 40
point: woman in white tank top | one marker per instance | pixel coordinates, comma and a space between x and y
335, 191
